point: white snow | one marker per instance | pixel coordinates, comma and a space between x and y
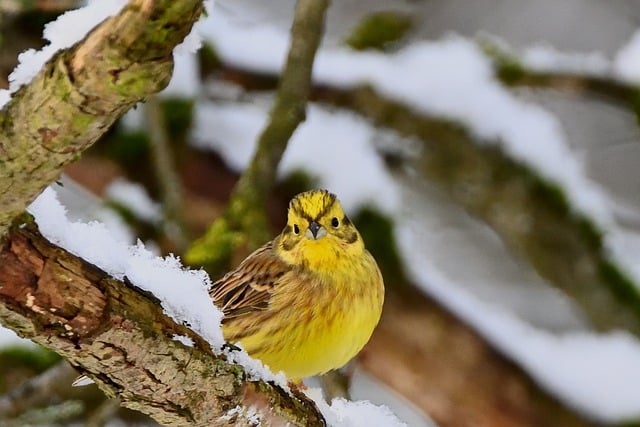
10, 338
327, 146
184, 340
254, 47
64, 32
548, 58
627, 61
135, 197
451, 78
82, 381
345, 413
254, 368
579, 366
193, 41
362, 414
251, 414
183, 293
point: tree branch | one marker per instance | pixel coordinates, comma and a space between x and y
167, 176
81, 91
36, 390
120, 337
512, 72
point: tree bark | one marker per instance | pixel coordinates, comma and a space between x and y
81, 91
120, 337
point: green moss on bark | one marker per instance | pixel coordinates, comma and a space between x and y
379, 30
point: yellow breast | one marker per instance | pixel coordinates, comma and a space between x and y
318, 321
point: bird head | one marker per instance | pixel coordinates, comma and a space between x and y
317, 222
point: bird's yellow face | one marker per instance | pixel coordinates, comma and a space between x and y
318, 233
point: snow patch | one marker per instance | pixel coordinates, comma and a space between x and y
184, 340
362, 413
135, 197
627, 61
64, 32
183, 293
332, 146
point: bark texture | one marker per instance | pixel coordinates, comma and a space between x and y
81, 91
121, 338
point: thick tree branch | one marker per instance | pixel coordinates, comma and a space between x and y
120, 337
81, 91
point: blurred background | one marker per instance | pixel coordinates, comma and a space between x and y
487, 151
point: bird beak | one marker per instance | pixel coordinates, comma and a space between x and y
315, 231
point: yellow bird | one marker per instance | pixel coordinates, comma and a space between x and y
307, 301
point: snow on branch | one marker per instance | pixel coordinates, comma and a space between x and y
548, 69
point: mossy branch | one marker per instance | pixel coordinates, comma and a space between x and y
120, 336
512, 72
244, 223
81, 91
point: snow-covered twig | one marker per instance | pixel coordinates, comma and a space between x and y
514, 71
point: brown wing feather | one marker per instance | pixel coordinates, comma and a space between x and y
249, 287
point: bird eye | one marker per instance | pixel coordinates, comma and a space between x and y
335, 222
296, 229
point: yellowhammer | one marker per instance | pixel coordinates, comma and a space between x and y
307, 301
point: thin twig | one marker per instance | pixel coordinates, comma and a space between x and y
166, 175
37, 390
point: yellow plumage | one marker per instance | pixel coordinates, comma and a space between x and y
308, 301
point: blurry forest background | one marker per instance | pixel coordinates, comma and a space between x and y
487, 151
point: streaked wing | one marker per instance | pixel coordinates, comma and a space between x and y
249, 287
